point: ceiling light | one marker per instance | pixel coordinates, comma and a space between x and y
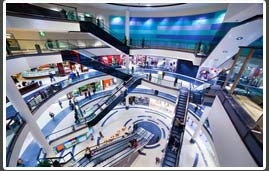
239, 38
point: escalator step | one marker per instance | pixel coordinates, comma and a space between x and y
170, 164
171, 155
171, 159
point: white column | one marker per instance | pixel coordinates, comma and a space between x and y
127, 101
127, 23
200, 124
17, 101
127, 62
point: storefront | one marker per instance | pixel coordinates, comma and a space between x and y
154, 62
111, 60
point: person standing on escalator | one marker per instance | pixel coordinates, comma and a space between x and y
88, 153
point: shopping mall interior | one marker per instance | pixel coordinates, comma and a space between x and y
134, 85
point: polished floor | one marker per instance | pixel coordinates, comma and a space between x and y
158, 122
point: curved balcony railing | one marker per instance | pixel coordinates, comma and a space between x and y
18, 47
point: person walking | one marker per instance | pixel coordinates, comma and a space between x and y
132, 69
52, 115
196, 108
101, 134
94, 90
77, 73
86, 94
51, 77
150, 76
71, 105
175, 82
158, 160
163, 74
60, 103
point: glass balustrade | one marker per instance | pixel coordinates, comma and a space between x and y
25, 46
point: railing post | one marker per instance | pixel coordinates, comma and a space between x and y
232, 68
241, 71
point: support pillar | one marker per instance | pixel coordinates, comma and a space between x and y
127, 62
127, 28
127, 102
200, 125
18, 102
243, 67
232, 68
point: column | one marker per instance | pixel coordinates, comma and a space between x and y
127, 23
242, 69
232, 68
127, 62
200, 125
127, 102
17, 101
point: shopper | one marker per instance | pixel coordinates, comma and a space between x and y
150, 76
60, 103
101, 134
196, 108
77, 73
175, 82
88, 152
163, 74
86, 94
132, 69
94, 90
51, 77
158, 160
72, 75
71, 105
52, 115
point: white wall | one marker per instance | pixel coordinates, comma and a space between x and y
230, 149
41, 25
17, 65
167, 53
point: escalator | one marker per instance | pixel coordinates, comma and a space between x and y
109, 103
173, 148
114, 152
105, 34
85, 58
121, 152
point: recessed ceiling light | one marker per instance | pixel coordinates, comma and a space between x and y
239, 38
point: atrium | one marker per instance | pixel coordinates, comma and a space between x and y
134, 85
